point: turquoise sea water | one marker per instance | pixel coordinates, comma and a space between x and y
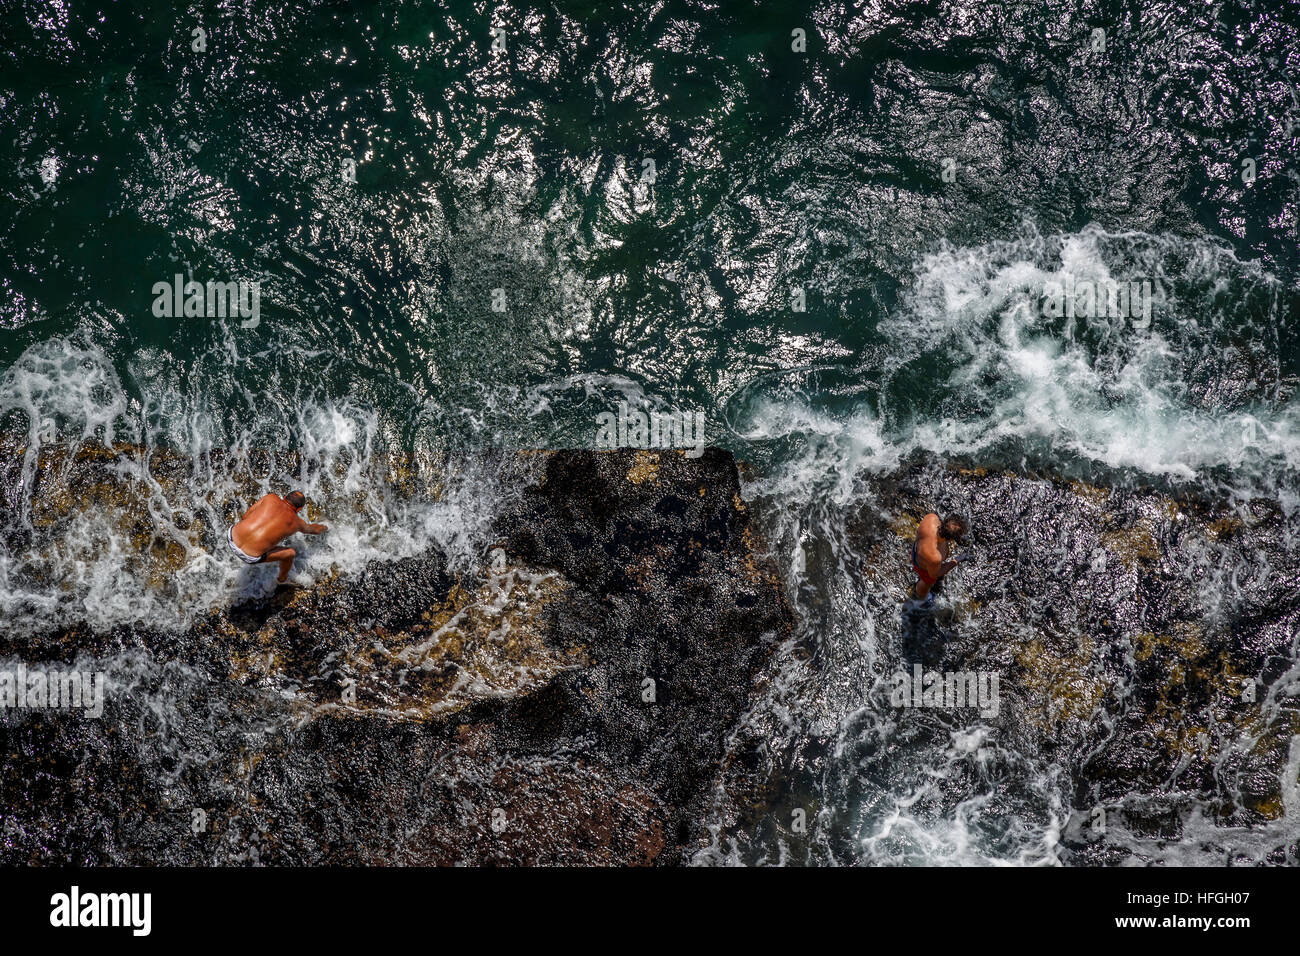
480, 226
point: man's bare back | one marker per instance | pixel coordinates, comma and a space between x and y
934, 540
256, 537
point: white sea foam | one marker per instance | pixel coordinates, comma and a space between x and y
974, 367
1197, 389
91, 566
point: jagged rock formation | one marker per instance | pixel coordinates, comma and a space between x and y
603, 689
567, 704
1145, 644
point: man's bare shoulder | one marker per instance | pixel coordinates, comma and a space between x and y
927, 539
266, 506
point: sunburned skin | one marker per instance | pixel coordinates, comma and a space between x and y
265, 525
930, 559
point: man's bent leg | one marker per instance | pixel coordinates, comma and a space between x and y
284, 557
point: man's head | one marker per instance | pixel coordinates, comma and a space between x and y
295, 499
954, 528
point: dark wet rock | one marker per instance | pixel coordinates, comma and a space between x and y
1144, 644
412, 714
566, 702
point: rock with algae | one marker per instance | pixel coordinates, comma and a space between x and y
1146, 648
566, 702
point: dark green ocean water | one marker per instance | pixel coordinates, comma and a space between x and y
835, 247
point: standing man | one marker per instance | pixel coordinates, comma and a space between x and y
934, 541
255, 538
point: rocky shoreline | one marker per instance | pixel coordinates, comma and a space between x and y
1145, 645
566, 704
603, 688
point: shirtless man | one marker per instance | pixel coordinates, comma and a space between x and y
934, 540
256, 536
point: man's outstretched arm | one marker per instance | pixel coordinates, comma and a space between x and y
949, 565
306, 528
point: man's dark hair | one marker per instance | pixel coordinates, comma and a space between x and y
296, 498
954, 528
